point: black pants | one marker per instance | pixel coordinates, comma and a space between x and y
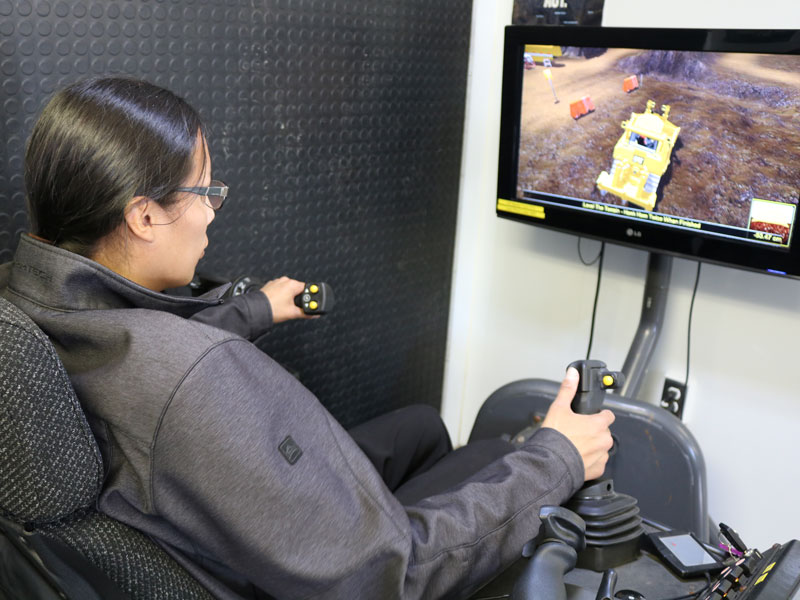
411, 450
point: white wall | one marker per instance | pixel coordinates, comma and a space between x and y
522, 301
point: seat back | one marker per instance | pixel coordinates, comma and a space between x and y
51, 470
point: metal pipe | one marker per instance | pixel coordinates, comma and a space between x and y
656, 289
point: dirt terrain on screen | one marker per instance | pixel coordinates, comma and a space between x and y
739, 117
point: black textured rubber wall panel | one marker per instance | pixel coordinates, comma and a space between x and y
337, 125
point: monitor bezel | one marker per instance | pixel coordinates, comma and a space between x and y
628, 232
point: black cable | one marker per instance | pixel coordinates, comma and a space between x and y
689, 331
694, 595
596, 291
656, 524
691, 596
595, 259
718, 552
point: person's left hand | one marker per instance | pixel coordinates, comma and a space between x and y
280, 293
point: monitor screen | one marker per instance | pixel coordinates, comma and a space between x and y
685, 142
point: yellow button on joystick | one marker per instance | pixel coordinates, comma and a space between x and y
313, 305
313, 289
608, 380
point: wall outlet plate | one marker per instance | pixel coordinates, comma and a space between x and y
673, 397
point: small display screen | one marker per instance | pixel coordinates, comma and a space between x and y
687, 550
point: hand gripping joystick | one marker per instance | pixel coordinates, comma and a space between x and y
556, 551
613, 524
595, 379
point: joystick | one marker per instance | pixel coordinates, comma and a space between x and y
243, 285
316, 299
556, 549
613, 524
595, 379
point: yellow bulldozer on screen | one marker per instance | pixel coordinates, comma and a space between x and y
641, 157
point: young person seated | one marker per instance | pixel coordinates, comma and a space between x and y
209, 446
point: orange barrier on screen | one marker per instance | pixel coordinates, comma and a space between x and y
630, 83
581, 107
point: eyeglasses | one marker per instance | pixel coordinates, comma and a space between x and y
215, 193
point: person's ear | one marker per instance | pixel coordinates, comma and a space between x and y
139, 218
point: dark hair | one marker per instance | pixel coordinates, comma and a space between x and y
98, 144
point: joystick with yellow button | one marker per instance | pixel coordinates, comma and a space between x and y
316, 299
595, 379
613, 524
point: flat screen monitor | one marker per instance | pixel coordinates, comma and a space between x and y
684, 142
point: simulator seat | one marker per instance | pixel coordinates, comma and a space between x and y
53, 541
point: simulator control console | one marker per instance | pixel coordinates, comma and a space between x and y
600, 549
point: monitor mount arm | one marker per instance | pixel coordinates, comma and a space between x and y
656, 290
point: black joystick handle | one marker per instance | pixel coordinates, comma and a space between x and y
595, 379
316, 299
560, 524
560, 538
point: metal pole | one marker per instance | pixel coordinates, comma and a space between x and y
656, 289
554, 90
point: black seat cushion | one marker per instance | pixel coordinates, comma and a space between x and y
51, 470
50, 465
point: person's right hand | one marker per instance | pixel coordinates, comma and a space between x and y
280, 293
589, 433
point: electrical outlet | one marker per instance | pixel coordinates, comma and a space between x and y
673, 397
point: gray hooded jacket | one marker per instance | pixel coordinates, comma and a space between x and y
194, 422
